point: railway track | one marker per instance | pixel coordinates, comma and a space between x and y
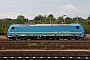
41, 39
38, 41
72, 54
44, 44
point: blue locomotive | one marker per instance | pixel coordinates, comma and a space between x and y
46, 31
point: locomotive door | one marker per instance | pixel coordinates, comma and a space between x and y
15, 31
73, 30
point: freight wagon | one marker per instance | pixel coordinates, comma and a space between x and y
46, 31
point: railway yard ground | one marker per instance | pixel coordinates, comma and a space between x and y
57, 49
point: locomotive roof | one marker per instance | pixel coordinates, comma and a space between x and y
45, 24
48, 24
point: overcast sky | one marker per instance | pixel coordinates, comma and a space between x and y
32, 8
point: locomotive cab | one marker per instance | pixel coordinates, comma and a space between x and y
13, 29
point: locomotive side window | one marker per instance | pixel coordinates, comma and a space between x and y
12, 28
77, 27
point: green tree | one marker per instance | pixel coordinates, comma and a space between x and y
60, 19
68, 20
39, 17
88, 20
88, 17
50, 18
21, 19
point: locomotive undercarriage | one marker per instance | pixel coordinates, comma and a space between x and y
46, 38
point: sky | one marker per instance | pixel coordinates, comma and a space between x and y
32, 8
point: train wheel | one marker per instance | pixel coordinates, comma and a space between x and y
69, 38
73, 38
55, 38
80, 38
43, 38
47, 38
63, 38
76, 38
59, 38
29, 39
10, 39
17, 39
